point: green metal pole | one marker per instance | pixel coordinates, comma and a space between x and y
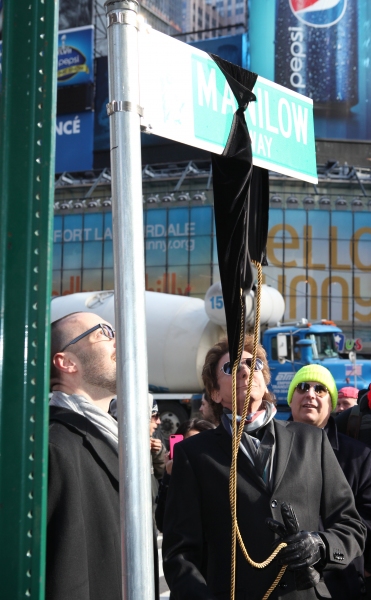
27, 150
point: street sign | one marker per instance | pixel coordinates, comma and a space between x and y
186, 98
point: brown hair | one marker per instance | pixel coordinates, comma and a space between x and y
209, 373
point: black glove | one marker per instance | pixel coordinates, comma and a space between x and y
303, 550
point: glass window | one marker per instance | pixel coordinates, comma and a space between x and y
72, 255
323, 345
108, 279
201, 220
200, 280
57, 256
72, 228
71, 281
58, 226
296, 349
179, 250
93, 227
92, 280
108, 254
92, 255
155, 251
56, 283
200, 250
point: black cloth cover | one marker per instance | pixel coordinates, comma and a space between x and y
241, 197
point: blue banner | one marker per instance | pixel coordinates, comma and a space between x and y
233, 48
74, 147
75, 56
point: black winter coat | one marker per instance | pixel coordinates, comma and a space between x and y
83, 530
198, 522
355, 460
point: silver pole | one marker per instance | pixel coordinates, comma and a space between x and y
130, 323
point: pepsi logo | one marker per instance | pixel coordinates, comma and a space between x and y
318, 13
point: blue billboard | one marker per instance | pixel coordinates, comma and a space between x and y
101, 124
75, 56
74, 143
234, 48
319, 48
180, 251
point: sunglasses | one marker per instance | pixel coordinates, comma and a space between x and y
319, 389
227, 367
106, 330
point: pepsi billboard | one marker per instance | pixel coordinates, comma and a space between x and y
75, 56
321, 49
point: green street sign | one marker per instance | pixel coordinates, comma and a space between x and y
186, 98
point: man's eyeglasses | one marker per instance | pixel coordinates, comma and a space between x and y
227, 367
319, 389
106, 330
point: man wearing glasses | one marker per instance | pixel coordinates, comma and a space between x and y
312, 398
83, 529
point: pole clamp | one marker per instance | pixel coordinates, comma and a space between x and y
122, 17
123, 106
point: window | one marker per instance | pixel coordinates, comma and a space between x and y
297, 354
324, 343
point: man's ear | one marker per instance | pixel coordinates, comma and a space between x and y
63, 362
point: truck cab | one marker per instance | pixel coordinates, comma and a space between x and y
290, 347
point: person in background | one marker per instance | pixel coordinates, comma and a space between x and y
283, 468
347, 397
158, 452
158, 449
210, 410
356, 421
312, 397
187, 429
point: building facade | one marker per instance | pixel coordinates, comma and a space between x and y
318, 251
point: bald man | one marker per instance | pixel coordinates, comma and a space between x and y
83, 529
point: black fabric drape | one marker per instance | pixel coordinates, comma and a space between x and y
241, 196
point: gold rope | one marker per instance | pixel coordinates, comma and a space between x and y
236, 439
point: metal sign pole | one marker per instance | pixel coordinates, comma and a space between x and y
132, 377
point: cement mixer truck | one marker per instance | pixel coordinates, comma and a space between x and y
179, 334
181, 329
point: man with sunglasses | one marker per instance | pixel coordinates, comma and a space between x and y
83, 528
312, 397
279, 463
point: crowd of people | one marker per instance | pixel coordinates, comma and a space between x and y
303, 485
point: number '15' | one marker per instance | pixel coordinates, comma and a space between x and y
216, 302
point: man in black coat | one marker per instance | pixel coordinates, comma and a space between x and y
312, 398
278, 463
83, 529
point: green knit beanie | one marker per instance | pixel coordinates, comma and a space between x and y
314, 373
